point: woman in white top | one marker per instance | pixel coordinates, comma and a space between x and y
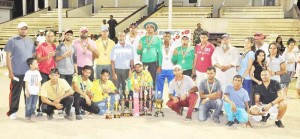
290, 60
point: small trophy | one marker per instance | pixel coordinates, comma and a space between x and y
108, 114
158, 105
116, 108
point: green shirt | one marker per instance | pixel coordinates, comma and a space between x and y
151, 49
83, 85
185, 62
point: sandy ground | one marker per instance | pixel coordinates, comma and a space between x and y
170, 126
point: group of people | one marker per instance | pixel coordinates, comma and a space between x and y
90, 74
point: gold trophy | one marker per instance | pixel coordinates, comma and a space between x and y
158, 105
116, 108
108, 114
126, 111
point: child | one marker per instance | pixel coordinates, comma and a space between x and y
32, 87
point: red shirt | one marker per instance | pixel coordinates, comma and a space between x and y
204, 56
43, 50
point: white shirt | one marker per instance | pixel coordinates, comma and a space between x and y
167, 63
33, 78
41, 39
264, 47
134, 42
274, 65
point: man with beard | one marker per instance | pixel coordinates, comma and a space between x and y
121, 62
41, 37
86, 51
225, 59
45, 56
17, 66
133, 40
66, 58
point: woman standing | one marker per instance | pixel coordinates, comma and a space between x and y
290, 60
279, 42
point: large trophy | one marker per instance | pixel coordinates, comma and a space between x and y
108, 114
158, 105
126, 111
116, 108
146, 102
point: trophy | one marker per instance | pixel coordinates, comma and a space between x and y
158, 105
126, 111
116, 108
146, 101
108, 114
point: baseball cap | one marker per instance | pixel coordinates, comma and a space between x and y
177, 66
68, 31
22, 24
226, 36
138, 63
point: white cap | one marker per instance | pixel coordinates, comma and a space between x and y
138, 63
22, 24
41, 30
177, 66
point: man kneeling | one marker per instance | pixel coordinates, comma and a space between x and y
269, 100
56, 94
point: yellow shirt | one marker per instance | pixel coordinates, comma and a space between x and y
104, 53
97, 90
52, 92
144, 79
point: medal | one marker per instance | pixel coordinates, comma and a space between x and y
202, 58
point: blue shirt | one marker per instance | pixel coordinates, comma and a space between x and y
244, 63
21, 49
238, 97
122, 56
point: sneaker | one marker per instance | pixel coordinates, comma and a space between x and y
82, 112
265, 118
195, 110
50, 117
188, 118
69, 117
216, 120
78, 117
28, 119
13, 116
40, 114
236, 121
279, 124
230, 123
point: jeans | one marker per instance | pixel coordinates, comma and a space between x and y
160, 81
45, 78
122, 75
30, 105
99, 69
247, 85
241, 115
211, 104
102, 105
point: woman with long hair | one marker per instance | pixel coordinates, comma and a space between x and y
280, 43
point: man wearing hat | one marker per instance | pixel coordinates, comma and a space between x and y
140, 77
225, 59
86, 51
104, 47
41, 37
133, 40
150, 49
66, 58
17, 66
260, 42
182, 93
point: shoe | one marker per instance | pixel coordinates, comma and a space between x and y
236, 121
50, 117
82, 112
78, 117
181, 111
216, 120
230, 123
28, 119
279, 124
195, 110
221, 113
13, 116
188, 118
69, 117
265, 118
60, 112
40, 114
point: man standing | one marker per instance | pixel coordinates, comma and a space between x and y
236, 102
167, 65
112, 25
86, 51
268, 97
104, 47
259, 40
182, 93
133, 40
225, 59
150, 50
41, 37
45, 56
196, 35
210, 92
56, 94
121, 62
18, 49
66, 58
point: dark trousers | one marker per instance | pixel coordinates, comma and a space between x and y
68, 78
122, 75
14, 95
112, 33
45, 78
152, 68
81, 102
188, 72
66, 102
92, 74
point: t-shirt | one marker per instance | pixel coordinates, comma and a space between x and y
33, 78
244, 63
179, 88
167, 54
238, 97
84, 56
204, 56
112, 24
215, 87
104, 48
269, 94
134, 42
83, 85
257, 72
151, 49
122, 55
21, 50
43, 50
97, 90
65, 66
289, 57
144, 79
52, 92
185, 57
274, 65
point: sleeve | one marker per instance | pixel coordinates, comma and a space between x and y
26, 77
282, 60
159, 52
277, 86
9, 46
44, 90
39, 50
39, 77
175, 57
74, 56
58, 50
227, 90
214, 59
251, 55
172, 87
201, 87
112, 54
246, 97
139, 52
75, 79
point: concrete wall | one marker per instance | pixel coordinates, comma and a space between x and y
121, 3
52, 4
72, 3
84, 11
5, 15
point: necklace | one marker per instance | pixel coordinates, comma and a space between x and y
210, 89
105, 46
183, 52
167, 51
149, 41
103, 87
84, 47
